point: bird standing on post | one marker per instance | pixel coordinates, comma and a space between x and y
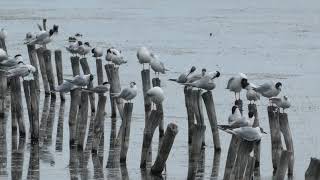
156, 95
42, 37
73, 47
157, 66
3, 55
21, 69
115, 56
128, 93
144, 56
251, 94
195, 77
84, 49
282, 102
81, 80
97, 52
11, 62
184, 76
247, 133
99, 89
240, 121
269, 89
237, 83
206, 82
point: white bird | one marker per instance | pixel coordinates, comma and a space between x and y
269, 89
99, 89
251, 94
195, 77
84, 49
206, 82
3, 33
3, 55
235, 114
239, 122
65, 87
156, 95
157, 66
247, 133
144, 56
42, 37
115, 56
73, 47
184, 76
128, 93
81, 80
12, 61
282, 102
21, 70
237, 83
97, 52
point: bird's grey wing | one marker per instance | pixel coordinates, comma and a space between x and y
263, 87
239, 123
229, 82
247, 133
275, 100
124, 93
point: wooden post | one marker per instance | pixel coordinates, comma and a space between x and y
157, 82
34, 62
249, 174
3, 125
113, 145
44, 118
245, 147
152, 124
190, 111
285, 129
59, 139
256, 148
197, 105
33, 170
313, 171
127, 114
50, 121
114, 80
82, 120
49, 71
165, 149
42, 66
26, 89
231, 157
99, 71
75, 65
86, 70
74, 104
15, 85
99, 122
3, 92
201, 164
194, 154
59, 69
211, 112
146, 85
282, 165
44, 24
3, 44
216, 165
276, 144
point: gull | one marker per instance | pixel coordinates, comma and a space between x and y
157, 66
81, 80
74, 47
3, 55
65, 87
206, 82
282, 102
115, 56
97, 52
239, 122
235, 114
20, 70
100, 89
156, 95
195, 77
237, 83
247, 133
12, 62
72, 39
84, 49
269, 89
184, 76
128, 93
144, 56
3, 33
251, 94
42, 37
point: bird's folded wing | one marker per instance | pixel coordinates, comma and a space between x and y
229, 82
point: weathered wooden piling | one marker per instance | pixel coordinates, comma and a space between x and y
16, 105
49, 71
99, 71
3, 92
216, 165
313, 171
59, 69
114, 80
282, 165
152, 124
211, 112
198, 110
276, 144
43, 71
74, 106
195, 148
86, 70
114, 147
50, 121
190, 111
75, 65
32, 52
126, 122
44, 118
231, 157
165, 148
157, 82
249, 174
256, 148
285, 129
146, 85
99, 122
59, 139
82, 120
33, 170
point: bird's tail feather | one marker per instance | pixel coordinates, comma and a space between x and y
175, 80
224, 127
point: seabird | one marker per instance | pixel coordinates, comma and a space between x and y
115, 56
184, 76
247, 133
158, 66
12, 62
81, 80
66, 87
3, 55
99, 89
84, 49
128, 93
269, 89
42, 37
237, 83
282, 102
156, 95
251, 94
239, 122
144, 56
97, 52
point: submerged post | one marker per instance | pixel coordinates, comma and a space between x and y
75, 65
49, 71
99, 122
34, 125
231, 157
157, 82
313, 171
197, 106
74, 105
82, 120
86, 70
126, 122
42, 66
190, 111
256, 148
34, 62
3, 92
114, 80
282, 165
99, 71
15, 85
59, 70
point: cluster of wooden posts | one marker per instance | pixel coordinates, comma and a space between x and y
239, 164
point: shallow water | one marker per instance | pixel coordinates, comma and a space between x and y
267, 40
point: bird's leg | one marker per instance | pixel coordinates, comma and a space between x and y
235, 95
142, 66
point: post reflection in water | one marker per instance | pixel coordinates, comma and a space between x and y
43, 120
17, 157
59, 139
97, 166
215, 165
201, 164
33, 171
3, 143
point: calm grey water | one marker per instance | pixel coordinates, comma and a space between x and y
268, 40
